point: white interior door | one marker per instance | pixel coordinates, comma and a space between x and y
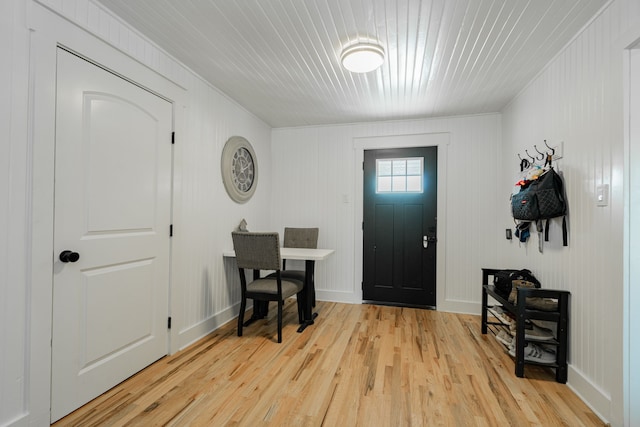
112, 209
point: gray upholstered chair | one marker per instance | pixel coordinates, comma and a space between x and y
298, 238
261, 251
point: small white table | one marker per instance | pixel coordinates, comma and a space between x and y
302, 254
309, 256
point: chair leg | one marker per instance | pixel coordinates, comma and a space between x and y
243, 306
279, 321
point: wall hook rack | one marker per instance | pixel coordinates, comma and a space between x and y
553, 150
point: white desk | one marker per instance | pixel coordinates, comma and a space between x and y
309, 256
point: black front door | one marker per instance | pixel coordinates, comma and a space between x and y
400, 205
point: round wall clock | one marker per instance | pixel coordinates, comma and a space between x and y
239, 169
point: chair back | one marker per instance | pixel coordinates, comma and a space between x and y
257, 251
300, 237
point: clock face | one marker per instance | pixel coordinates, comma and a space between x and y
239, 169
243, 169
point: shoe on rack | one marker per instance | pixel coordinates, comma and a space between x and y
538, 334
513, 295
499, 313
543, 304
547, 325
504, 337
549, 348
533, 353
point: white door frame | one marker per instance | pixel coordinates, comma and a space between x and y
441, 140
631, 291
48, 31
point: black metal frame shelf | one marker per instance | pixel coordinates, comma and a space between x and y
522, 314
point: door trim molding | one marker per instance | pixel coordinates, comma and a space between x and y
48, 31
360, 144
631, 248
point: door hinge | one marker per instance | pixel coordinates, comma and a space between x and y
173, 137
169, 323
362, 165
362, 285
363, 225
171, 230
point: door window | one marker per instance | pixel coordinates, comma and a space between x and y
399, 175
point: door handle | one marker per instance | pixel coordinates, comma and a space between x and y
428, 239
69, 256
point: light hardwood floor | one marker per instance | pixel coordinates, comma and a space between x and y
359, 365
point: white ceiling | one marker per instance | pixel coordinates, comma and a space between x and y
280, 59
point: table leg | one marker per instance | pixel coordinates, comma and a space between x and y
309, 294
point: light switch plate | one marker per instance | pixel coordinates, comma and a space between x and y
602, 195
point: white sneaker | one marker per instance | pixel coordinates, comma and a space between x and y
538, 334
533, 353
499, 314
504, 337
546, 324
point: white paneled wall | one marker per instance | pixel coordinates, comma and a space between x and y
203, 285
204, 215
99, 21
14, 210
578, 100
314, 185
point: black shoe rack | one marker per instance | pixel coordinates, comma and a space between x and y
522, 314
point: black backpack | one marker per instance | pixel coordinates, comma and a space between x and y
542, 199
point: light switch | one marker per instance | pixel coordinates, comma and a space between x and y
602, 195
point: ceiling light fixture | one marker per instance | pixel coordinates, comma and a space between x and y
362, 57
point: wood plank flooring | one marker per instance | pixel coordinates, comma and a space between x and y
359, 365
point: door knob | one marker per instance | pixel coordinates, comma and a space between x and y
69, 256
428, 239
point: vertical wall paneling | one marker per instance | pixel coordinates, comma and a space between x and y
204, 288
578, 100
203, 295
327, 197
14, 211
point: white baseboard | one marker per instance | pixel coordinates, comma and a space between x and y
337, 296
450, 306
195, 332
592, 396
21, 421
462, 307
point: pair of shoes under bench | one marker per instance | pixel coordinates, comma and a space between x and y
534, 353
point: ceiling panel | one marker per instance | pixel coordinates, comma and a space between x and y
280, 59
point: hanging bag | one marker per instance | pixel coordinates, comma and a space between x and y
542, 199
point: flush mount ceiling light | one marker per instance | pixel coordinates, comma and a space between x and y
362, 57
